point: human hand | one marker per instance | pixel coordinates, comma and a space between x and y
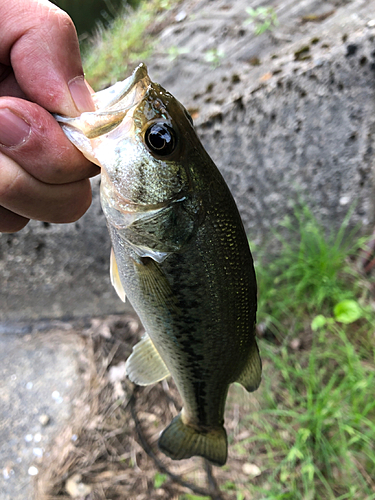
42, 175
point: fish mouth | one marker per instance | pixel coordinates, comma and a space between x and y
124, 95
112, 106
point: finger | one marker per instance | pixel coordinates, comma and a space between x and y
40, 42
33, 139
28, 197
11, 222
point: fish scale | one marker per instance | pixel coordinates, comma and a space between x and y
180, 254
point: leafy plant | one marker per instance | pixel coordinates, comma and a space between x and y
159, 479
264, 18
346, 311
312, 271
214, 57
127, 41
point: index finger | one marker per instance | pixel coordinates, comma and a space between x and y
40, 42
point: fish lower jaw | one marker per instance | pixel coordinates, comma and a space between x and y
121, 213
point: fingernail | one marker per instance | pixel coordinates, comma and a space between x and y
13, 129
81, 94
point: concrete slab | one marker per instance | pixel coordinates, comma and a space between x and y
39, 377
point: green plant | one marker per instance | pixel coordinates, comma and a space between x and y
316, 422
311, 272
346, 311
125, 43
214, 57
264, 18
312, 429
159, 479
175, 52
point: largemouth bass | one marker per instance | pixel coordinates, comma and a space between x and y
180, 254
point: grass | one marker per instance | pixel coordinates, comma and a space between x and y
115, 51
263, 18
313, 431
317, 421
312, 272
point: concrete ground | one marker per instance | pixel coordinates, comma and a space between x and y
39, 378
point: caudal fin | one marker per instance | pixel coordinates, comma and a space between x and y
180, 441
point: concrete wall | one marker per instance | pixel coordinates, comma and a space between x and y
309, 134
57, 271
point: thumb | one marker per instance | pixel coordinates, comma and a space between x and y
40, 42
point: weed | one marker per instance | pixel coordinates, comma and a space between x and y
312, 271
214, 57
174, 52
159, 480
323, 410
264, 18
128, 40
313, 436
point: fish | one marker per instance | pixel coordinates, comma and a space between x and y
180, 254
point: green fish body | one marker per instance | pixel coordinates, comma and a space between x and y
180, 254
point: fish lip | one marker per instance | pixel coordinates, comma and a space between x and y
123, 95
112, 105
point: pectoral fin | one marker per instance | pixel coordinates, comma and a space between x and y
252, 373
145, 366
115, 277
154, 285
167, 229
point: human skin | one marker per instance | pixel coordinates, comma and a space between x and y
42, 175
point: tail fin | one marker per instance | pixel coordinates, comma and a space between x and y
180, 440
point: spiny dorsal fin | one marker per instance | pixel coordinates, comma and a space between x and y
252, 373
115, 277
145, 366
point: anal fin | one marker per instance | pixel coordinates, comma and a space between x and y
145, 366
115, 277
252, 373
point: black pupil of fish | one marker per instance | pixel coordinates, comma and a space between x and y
160, 139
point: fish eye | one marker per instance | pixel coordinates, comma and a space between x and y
160, 139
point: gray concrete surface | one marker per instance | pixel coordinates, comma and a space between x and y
57, 271
39, 377
276, 126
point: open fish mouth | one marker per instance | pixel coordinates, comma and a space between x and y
124, 95
112, 106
